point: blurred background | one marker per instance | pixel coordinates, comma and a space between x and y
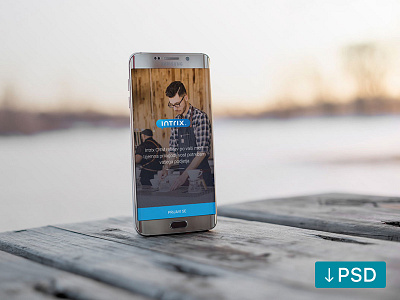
306, 99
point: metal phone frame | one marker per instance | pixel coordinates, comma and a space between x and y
143, 60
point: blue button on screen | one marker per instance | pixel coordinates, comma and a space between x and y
176, 211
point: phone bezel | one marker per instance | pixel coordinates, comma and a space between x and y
145, 60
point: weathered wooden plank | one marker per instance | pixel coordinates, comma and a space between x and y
367, 216
239, 259
153, 274
241, 246
24, 279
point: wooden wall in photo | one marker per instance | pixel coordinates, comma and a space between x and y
150, 102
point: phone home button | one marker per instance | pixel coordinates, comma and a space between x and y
178, 224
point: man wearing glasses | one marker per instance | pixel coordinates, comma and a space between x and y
189, 143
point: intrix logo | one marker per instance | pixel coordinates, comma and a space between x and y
168, 123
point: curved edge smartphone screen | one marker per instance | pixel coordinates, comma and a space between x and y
172, 132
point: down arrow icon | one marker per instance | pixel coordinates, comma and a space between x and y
329, 279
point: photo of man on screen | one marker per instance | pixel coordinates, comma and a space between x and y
192, 143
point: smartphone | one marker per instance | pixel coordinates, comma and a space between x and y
173, 185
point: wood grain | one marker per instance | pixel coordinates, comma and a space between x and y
358, 215
238, 260
24, 279
150, 102
152, 274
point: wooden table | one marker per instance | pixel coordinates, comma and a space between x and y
359, 215
242, 258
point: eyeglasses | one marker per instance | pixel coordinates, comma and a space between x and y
177, 103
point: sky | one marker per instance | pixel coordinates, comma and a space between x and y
75, 53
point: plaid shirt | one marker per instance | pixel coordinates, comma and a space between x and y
202, 131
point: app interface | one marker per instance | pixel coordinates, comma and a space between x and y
173, 151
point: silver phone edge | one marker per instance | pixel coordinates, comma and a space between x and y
162, 226
144, 60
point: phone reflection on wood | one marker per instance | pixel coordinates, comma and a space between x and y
173, 183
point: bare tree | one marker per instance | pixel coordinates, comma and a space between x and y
367, 63
9, 99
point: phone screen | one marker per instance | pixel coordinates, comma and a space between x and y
173, 151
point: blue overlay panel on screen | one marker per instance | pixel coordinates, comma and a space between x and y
176, 211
